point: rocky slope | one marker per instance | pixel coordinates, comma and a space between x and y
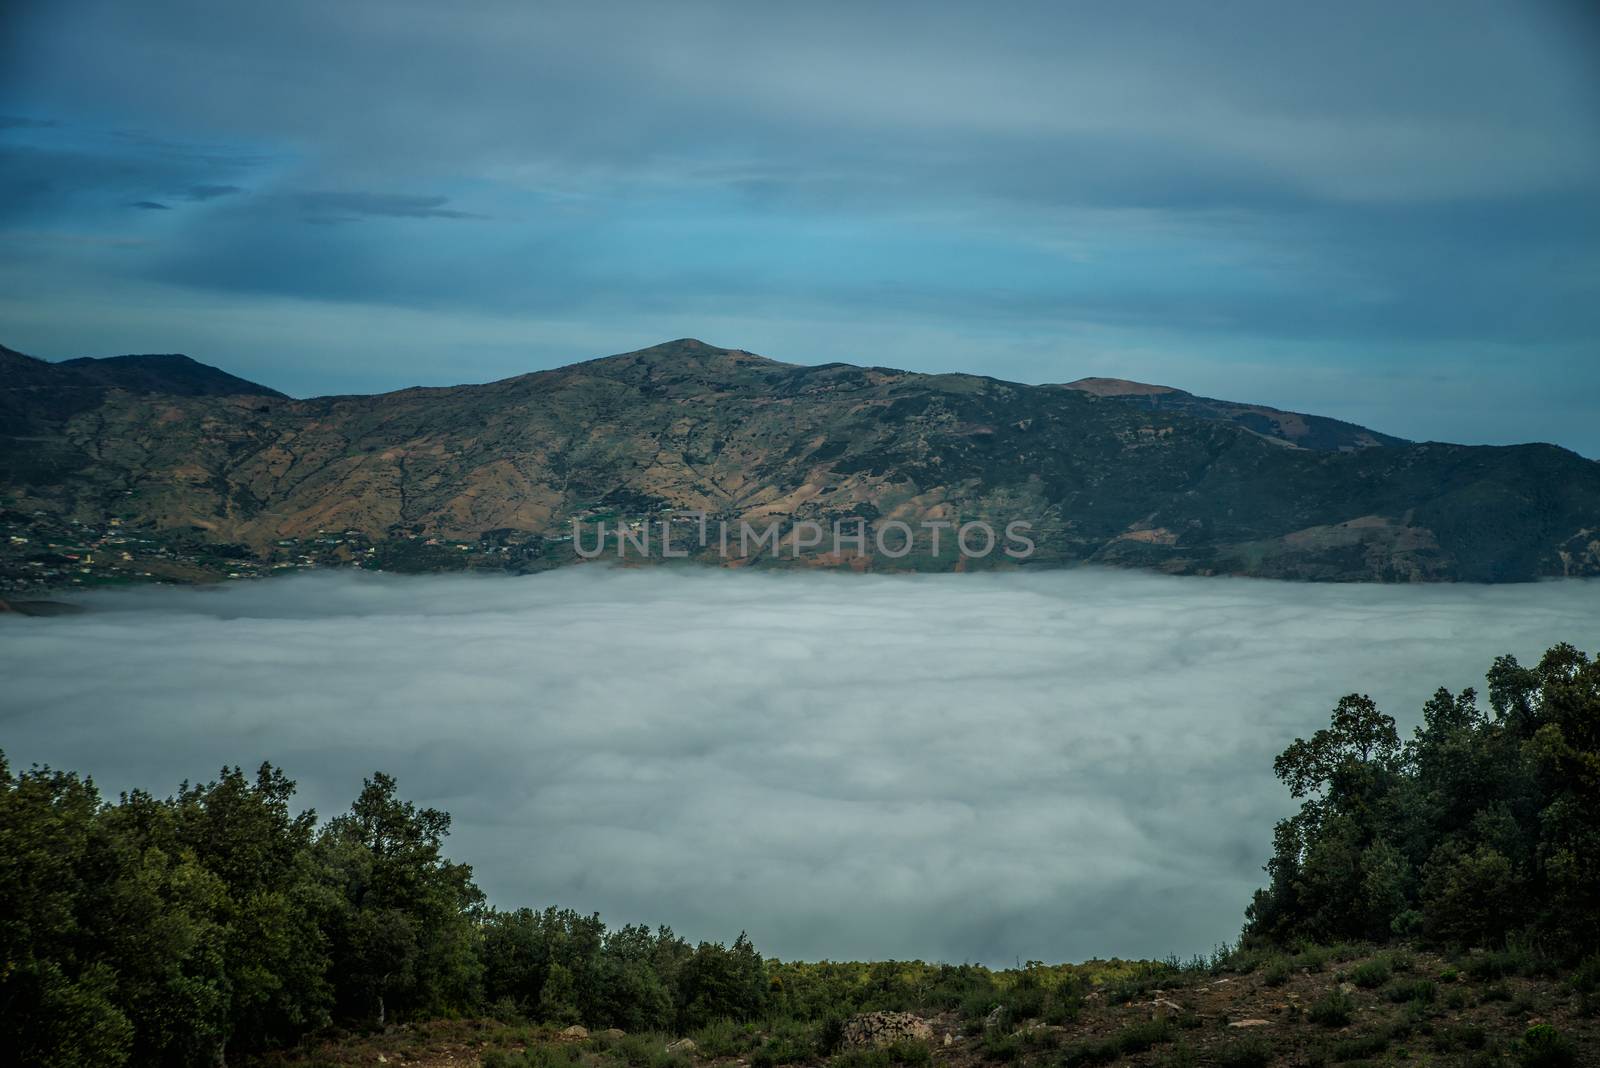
1128, 478
1294, 428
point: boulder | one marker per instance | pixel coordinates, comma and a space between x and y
575, 1033
882, 1028
682, 1045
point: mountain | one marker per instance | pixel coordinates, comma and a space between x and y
1294, 428
1101, 476
168, 373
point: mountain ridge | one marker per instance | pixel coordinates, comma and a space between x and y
687, 425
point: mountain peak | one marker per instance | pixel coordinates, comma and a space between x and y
1118, 387
168, 372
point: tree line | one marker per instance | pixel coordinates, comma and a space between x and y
1481, 829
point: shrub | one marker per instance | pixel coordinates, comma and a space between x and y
1374, 973
1312, 958
1133, 1039
1001, 1046
910, 1052
1140, 1037
1248, 1053
1545, 1047
724, 1038
1360, 1047
1585, 979
1332, 1011
1421, 990
1277, 972
1063, 1004
1465, 1037
830, 1036
1182, 1056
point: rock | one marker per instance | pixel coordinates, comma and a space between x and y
1251, 1023
614, 1032
1162, 1007
882, 1028
996, 1017
682, 1045
949, 1039
575, 1033
1347, 988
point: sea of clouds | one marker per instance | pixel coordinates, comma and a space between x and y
1043, 765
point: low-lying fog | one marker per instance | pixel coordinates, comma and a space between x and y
965, 767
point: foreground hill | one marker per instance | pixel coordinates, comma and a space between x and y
1127, 478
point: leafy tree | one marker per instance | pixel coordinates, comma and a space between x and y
1481, 828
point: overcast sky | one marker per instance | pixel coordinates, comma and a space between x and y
1388, 212
1042, 766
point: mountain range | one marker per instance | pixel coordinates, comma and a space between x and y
1104, 470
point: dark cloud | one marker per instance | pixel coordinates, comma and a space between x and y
14, 122
1366, 185
346, 207
989, 768
149, 205
212, 192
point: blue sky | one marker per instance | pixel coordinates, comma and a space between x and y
1388, 213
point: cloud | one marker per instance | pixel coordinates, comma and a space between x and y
149, 205
1030, 766
1067, 184
212, 192
345, 207
15, 122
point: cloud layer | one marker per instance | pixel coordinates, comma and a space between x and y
992, 768
1386, 213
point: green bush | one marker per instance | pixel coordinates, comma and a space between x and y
1334, 1010
830, 1036
1312, 958
724, 1038
1000, 1045
1372, 974
1277, 973
1422, 990
1464, 1037
1545, 1047
1245, 1053
1360, 1047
